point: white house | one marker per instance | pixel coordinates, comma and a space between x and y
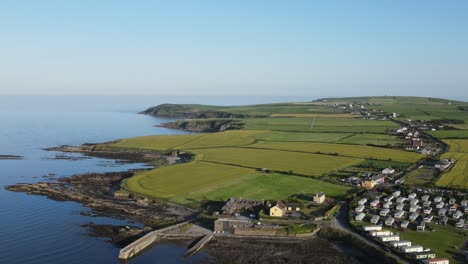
428, 218
442, 211
380, 233
360, 216
384, 212
359, 209
404, 224
413, 216
437, 199
401, 243
412, 249
372, 228
398, 214
389, 238
375, 219
363, 201
389, 221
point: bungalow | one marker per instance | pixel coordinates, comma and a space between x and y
400, 206
437, 261
427, 203
359, 209
380, 233
413, 216
425, 198
424, 255
401, 199
375, 219
374, 203
442, 212
414, 201
389, 238
363, 201
404, 224
319, 198
411, 249
457, 215
460, 223
428, 218
401, 243
437, 199
388, 171
428, 210
398, 214
279, 210
444, 220
412, 196
421, 226
389, 221
413, 208
440, 205
372, 228
360, 216
384, 212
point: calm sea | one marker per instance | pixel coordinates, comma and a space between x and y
34, 229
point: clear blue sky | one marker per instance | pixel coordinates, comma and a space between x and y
245, 47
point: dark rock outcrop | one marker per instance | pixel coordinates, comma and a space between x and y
188, 111
207, 125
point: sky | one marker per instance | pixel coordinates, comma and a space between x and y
227, 48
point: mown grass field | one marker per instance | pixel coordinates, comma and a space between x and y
271, 186
374, 139
285, 161
154, 142
446, 134
300, 136
171, 181
363, 152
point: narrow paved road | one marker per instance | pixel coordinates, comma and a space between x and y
341, 222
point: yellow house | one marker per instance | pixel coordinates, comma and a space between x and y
278, 210
368, 184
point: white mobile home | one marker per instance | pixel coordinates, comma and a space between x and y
374, 203
437, 199
389, 238
452, 201
401, 243
380, 233
421, 226
411, 196
428, 218
396, 193
428, 210
437, 261
363, 201
398, 214
414, 201
442, 212
460, 223
404, 224
384, 212
400, 199
359, 209
425, 197
372, 228
387, 205
440, 205
389, 221
457, 214
413, 216
389, 198
375, 219
412, 249
400, 206
413, 208
360, 216
427, 203
464, 203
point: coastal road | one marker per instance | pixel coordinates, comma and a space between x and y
341, 222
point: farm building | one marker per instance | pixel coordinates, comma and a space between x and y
363, 201
384, 212
440, 205
413, 216
372, 228
413, 208
359, 209
421, 226
404, 224
375, 219
360, 216
425, 197
428, 210
442, 212
457, 215
437, 261
437, 199
460, 223
401, 243
380, 233
374, 203
229, 224
428, 218
389, 238
319, 198
389, 221
424, 255
400, 206
398, 214
412, 249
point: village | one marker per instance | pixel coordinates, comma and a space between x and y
396, 212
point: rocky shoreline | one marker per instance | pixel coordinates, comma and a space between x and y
10, 157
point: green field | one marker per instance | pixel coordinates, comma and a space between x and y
298, 136
420, 177
462, 134
224, 139
364, 152
373, 139
171, 181
457, 177
271, 186
154, 142
285, 161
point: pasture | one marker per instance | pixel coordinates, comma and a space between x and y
457, 145
171, 181
283, 161
300, 136
154, 142
447, 134
373, 139
269, 186
363, 152
457, 177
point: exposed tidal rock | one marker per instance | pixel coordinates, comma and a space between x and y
10, 157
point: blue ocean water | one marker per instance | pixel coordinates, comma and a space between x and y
35, 229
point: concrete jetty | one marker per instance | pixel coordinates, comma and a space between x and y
199, 245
